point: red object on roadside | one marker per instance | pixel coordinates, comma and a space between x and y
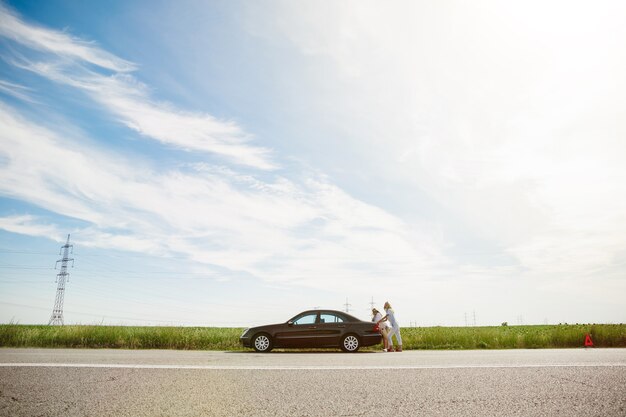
588, 341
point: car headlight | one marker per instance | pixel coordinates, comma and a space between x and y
245, 332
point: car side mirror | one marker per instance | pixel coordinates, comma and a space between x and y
290, 323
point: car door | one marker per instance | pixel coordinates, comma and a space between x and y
299, 331
330, 329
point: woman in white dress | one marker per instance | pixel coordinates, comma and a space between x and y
395, 328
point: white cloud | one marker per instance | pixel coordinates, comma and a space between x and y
126, 98
506, 119
31, 226
16, 90
309, 232
59, 43
511, 124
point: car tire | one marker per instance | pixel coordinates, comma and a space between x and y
350, 343
262, 343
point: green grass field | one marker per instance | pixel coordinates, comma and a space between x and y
514, 337
214, 338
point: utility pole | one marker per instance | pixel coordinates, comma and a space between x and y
372, 303
347, 305
62, 278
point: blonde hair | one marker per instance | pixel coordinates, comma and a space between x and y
387, 305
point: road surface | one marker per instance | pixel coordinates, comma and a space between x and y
77, 382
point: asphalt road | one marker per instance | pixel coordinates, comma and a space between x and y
72, 382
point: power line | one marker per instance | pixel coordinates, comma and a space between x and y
24, 267
180, 322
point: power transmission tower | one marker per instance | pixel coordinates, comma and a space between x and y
372, 303
347, 305
62, 278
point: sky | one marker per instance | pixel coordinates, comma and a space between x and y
232, 163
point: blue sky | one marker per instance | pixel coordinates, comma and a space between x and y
233, 163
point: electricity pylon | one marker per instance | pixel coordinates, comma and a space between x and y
62, 278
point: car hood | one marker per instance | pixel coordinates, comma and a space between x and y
267, 326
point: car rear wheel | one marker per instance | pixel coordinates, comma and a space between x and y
262, 343
350, 343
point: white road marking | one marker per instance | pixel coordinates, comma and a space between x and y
298, 368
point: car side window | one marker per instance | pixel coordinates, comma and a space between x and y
308, 319
330, 318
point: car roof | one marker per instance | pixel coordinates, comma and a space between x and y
336, 312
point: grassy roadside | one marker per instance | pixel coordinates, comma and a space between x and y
122, 337
514, 337
214, 338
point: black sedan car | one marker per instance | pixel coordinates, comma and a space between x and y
313, 329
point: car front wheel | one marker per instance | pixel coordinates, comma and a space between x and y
262, 343
350, 343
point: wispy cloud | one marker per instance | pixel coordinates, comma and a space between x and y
308, 232
126, 98
59, 43
505, 157
17, 91
31, 226
525, 153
